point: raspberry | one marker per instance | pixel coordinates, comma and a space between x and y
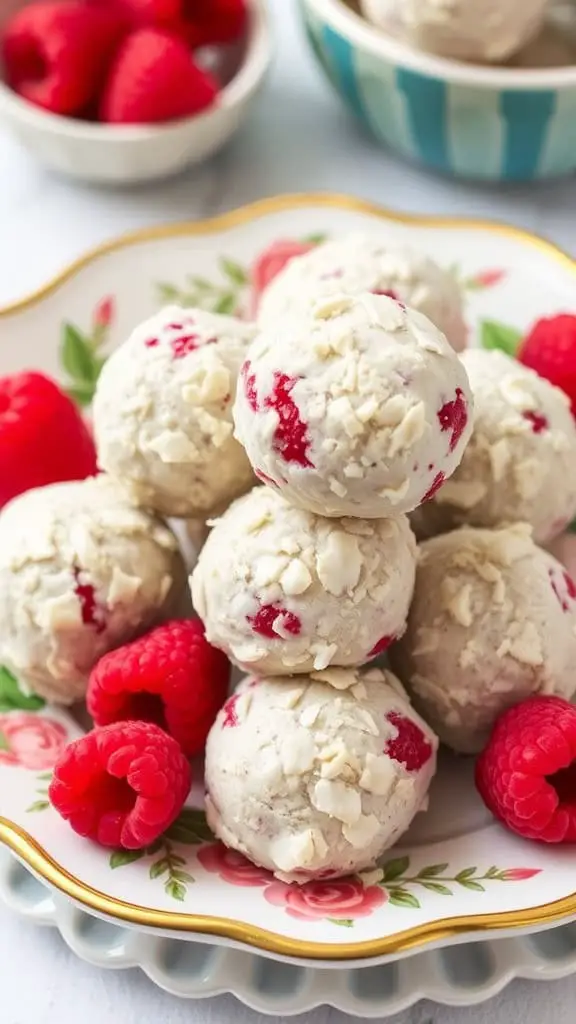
43, 438
271, 262
453, 416
56, 54
290, 439
410, 747
210, 22
143, 13
265, 622
154, 79
171, 676
526, 774
550, 350
122, 786
230, 718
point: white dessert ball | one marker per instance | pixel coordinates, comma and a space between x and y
81, 572
493, 621
360, 263
281, 590
468, 30
520, 464
358, 408
315, 777
162, 413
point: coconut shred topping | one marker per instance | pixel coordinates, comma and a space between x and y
492, 622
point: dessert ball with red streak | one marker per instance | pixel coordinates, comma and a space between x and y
163, 413
492, 622
359, 263
285, 591
81, 572
520, 464
354, 407
316, 776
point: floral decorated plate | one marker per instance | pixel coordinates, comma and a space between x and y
457, 873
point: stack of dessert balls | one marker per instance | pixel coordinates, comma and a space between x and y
316, 444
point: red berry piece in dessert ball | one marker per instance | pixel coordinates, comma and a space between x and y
354, 407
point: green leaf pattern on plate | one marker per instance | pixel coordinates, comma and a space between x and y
11, 696
81, 352
170, 867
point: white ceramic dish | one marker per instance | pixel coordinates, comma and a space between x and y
457, 872
462, 975
130, 154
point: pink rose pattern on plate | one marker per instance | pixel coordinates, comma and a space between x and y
341, 901
30, 741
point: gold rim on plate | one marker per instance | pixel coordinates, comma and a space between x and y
278, 204
43, 865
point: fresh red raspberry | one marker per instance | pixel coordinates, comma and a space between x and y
171, 676
43, 438
145, 13
550, 349
526, 774
154, 79
56, 54
410, 747
453, 416
212, 22
122, 786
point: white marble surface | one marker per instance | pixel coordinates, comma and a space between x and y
298, 139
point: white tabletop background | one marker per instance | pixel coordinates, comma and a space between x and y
298, 139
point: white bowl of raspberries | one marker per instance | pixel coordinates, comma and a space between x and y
125, 91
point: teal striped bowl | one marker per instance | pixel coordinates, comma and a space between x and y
496, 124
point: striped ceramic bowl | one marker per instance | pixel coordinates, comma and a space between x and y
492, 123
